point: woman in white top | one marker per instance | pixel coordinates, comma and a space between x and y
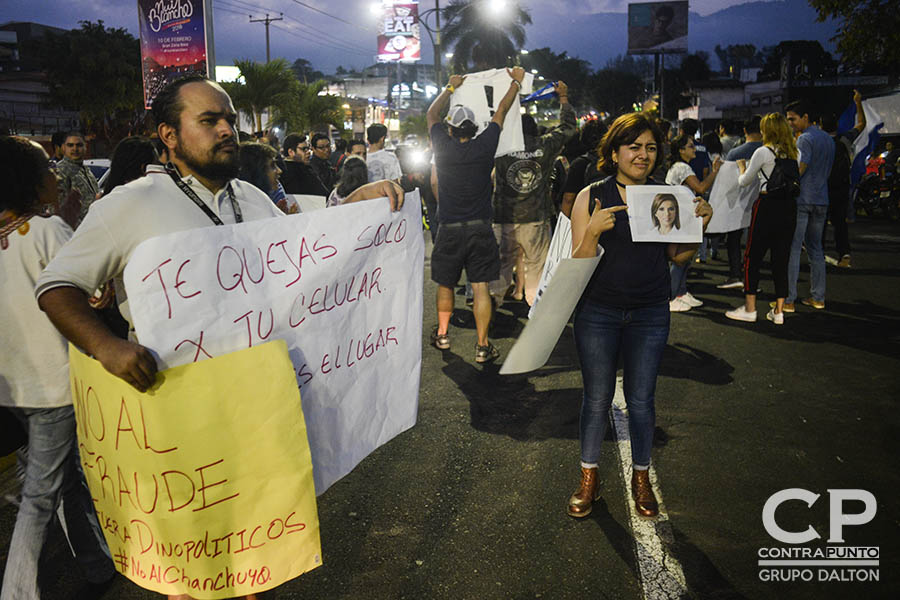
774, 216
34, 378
680, 173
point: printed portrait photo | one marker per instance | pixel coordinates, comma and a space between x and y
663, 213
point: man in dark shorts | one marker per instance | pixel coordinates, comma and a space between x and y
465, 238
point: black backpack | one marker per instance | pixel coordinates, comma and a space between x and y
785, 178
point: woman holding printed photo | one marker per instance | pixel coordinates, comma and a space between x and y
624, 308
681, 173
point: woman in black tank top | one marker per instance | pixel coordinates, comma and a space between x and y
624, 309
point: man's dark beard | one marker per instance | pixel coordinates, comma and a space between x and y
209, 169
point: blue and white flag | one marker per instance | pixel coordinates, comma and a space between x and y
865, 142
545, 92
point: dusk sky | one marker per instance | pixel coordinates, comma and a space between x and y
326, 42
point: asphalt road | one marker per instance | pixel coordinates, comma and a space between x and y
470, 503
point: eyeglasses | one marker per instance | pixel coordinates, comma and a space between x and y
303, 148
326, 147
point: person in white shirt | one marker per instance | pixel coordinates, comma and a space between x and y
683, 151
774, 217
381, 163
34, 380
198, 188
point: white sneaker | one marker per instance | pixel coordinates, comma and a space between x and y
678, 305
688, 299
777, 318
740, 314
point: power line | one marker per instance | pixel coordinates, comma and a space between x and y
343, 45
315, 31
366, 29
321, 42
232, 11
252, 6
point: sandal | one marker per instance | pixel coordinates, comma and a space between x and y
484, 354
441, 341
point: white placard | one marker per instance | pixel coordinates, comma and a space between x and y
560, 248
732, 203
544, 327
482, 93
343, 288
308, 203
663, 213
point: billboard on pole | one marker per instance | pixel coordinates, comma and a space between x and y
398, 32
658, 27
176, 40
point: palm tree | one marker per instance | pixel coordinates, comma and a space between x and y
266, 87
307, 109
497, 30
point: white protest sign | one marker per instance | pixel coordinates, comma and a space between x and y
482, 92
544, 327
732, 203
343, 288
560, 248
307, 202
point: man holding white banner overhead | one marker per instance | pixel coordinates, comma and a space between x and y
464, 162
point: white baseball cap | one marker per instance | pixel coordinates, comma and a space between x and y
459, 114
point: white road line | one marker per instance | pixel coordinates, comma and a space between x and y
659, 571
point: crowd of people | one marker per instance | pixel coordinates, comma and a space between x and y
490, 217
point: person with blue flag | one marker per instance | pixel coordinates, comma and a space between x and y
839, 181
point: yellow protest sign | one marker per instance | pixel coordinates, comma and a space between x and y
203, 485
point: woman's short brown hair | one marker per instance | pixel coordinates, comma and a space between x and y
623, 131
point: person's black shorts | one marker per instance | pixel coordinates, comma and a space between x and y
470, 245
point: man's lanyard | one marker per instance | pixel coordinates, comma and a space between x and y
185, 188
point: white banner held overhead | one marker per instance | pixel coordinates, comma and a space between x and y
732, 203
482, 92
343, 288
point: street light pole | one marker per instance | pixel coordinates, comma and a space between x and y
437, 44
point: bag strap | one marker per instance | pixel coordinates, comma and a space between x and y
763, 173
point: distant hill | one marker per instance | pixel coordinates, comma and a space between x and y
601, 36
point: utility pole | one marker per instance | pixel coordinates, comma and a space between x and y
437, 45
267, 20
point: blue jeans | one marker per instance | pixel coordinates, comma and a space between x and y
601, 334
678, 274
810, 224
52, 473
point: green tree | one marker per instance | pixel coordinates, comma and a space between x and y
554, 67
414, 125
306, 109
96, 71
868, 33
695, 67
641, 66
735, 57
809, 56
266, 87
497, 32
305, 72
615, 91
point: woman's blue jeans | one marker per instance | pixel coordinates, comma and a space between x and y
52, 474
602, 333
